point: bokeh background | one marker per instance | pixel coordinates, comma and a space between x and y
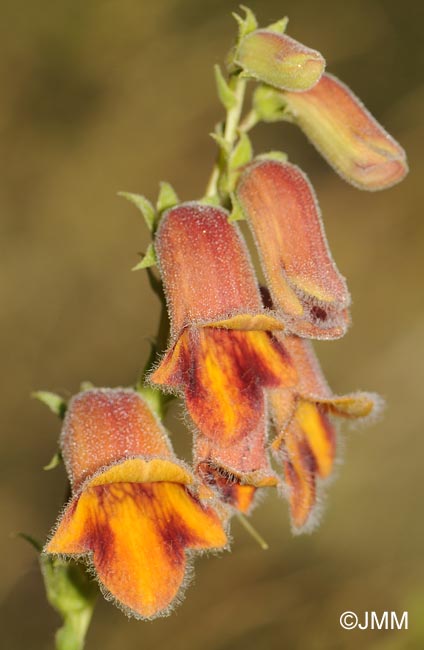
106, 95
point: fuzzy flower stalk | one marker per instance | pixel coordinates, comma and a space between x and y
237, 357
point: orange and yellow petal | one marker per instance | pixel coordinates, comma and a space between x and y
103, 426
305, 285
136, 535
279, 60
319, 433
223, 374
206, 269
347, 135
313, 425
299, 476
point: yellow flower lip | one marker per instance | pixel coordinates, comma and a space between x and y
141, 470
279, 60
138, 537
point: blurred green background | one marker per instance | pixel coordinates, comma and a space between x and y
105, 95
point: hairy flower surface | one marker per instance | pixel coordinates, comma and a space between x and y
279, 60
347, 135
221, 355
132, 511
305, 285
306, 442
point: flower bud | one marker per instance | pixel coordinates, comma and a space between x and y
347, 135
279, 60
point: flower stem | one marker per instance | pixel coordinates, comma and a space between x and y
72, 593
252, 531
238, 86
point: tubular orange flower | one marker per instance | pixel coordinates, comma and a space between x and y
282, 211
279, 60
306, 442
347, 135
221, 355
132, 511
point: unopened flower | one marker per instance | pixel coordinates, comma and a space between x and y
279, 60
283, 213
221, 355
306, 439
133, 511
347, 135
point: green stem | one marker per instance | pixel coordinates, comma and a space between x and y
252, 531
238, 85
157, 400
249, 121
72, 593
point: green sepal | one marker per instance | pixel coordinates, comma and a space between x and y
242, 152
279, 156
167, 197
31, 540
86, 385
269, 104
225, 94
210, 200
236, 212
278, 27
247, 24
145, 207
54, 402
223, 144
157, 400
54, 462
149, 259
72, 593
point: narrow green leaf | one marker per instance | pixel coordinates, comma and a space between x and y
222, 143
242, 152
148, 260
247, 24
31, 540
55, 461
54, 402
145, 207
225, 94
278, 27
167, 197
210, 200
